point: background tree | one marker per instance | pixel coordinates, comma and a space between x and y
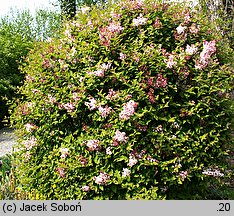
68, 8
221, 13
18, 31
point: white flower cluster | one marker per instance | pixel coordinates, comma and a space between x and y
213, 172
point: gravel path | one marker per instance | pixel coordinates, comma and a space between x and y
7, 141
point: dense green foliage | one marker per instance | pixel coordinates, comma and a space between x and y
17, 33
129, 103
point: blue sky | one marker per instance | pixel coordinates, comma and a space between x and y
32, 5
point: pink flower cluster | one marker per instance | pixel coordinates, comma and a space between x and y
52, 100
101, 71
106, 33
128, 110
161, 81
213, 172
120, 136
150, 159
140, 20
92, 104
102, 178
85, 188
30, 143
70, 106
111, 94
126, 172
159, 128
194, 28
108, 150
61, 172
133, 4
183, 175
104, 110
83, 161
75, 96
181, 29
64, 152
30, 127
157, 23
122, 56
151, 95
190, 50
26, 108
93, 145
209, 48
170, 61
132, 160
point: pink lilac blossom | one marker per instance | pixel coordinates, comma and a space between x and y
134, 4
30, 127
157, 23
75, 96
111, 94
63, 65
128, 110
150, 159
187, 17
209, 48
152, 98
30, 143
140, 20
120, 136
105, 66
30, 78
104, 111
108, 150
115, 15
61, 172
159, 128
92, 104
99, 73
122, 56
85, 188
83, 161
93, 145
108, 32
36, 91
68, 106
132, 160
190, 50
26, 108
181, 29
170, 61
84, 9
102, 178
64, 152
213, 172
126, 172
52, 100
183, 175
142, 153
194, 28
115, 27
161, 81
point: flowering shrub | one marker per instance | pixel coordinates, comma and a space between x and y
131, 101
